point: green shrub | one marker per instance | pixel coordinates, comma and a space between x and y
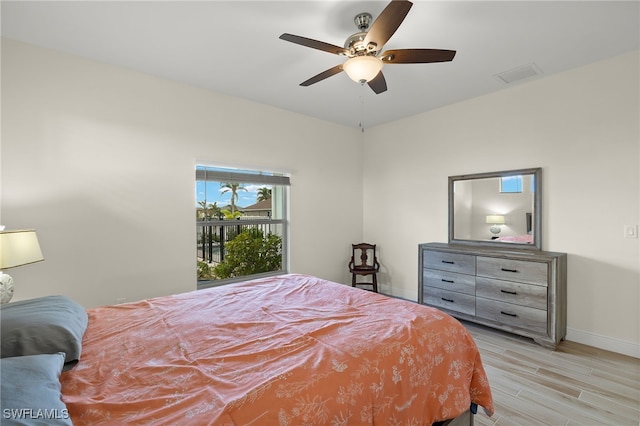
250, 253
205, 272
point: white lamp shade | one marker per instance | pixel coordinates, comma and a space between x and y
19, 247
495, 219
362, 69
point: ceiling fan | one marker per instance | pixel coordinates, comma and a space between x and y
364, 48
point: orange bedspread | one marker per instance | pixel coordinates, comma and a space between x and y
288, 350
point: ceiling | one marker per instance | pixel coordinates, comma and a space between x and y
232, 47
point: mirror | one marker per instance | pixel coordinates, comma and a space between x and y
496, 209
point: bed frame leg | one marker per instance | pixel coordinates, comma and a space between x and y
464, 419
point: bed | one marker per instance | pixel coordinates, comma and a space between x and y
527, 239
286, 350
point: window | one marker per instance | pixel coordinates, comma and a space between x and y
241, 224
515, 184
511, 183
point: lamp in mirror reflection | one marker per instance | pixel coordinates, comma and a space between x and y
495, 220
17, 248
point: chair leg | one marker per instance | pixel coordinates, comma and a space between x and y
353, 280
375, 283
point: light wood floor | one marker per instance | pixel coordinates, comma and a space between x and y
573, 385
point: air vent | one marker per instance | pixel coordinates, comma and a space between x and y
520, 73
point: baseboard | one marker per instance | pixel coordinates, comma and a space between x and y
604, 342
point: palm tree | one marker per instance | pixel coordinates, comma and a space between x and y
264, 193
229, 215
234, 188
210, 210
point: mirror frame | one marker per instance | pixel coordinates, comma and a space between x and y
537, 209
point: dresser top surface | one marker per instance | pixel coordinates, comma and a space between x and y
491, 251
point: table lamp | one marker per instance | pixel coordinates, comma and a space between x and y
495, 220
17, 248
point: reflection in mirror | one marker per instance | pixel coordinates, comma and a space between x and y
499, 208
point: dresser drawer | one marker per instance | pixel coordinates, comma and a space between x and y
513, 270
534, 320
460, 283
451, 300
533, 296
452, 262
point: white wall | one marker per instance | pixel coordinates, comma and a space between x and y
583, 128
100, 161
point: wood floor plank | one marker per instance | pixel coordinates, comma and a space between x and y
570, 407
543, 384
488, 347
516, 410
509, 362
502, 380
541, 360
620, 377
631, 414
599, 359
615, 390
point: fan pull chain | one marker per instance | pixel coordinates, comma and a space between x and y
361, 114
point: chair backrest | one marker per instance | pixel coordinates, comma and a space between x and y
363, 256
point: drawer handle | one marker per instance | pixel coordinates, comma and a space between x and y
508, 314
447, 281
448, 262
447, 300
508, 292
509, 270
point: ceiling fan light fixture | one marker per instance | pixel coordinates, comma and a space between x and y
365, 49
362, 69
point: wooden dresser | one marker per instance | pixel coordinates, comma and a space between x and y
519, 291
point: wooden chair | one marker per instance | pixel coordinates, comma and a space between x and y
364, 262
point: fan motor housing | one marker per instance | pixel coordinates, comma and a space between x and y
355, 43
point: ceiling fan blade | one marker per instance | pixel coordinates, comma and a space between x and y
378, 84
416, 56
387, 23
315, 44
325, 74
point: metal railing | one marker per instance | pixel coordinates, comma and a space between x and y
213, 235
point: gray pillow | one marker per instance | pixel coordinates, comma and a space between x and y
45, 325
30, 391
